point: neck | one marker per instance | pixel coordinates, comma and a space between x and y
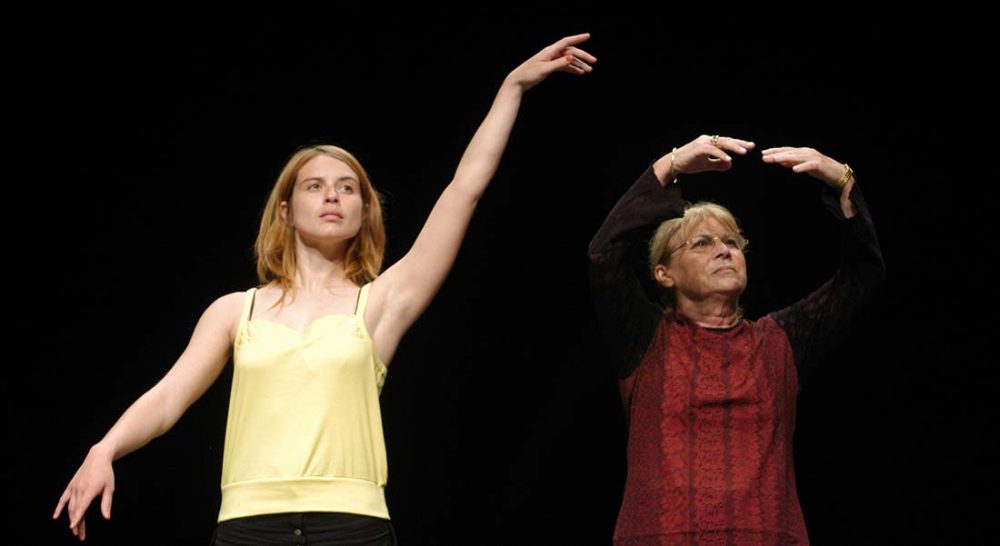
320, 269
710, 313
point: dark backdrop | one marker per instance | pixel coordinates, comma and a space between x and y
154, 152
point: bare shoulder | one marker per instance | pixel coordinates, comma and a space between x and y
231, 303
224, 313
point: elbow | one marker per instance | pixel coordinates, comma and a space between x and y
874, 278
465, 192
595, 251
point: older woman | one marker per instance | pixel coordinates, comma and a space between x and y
710, 396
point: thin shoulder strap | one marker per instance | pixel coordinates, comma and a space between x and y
359, 308
248, 304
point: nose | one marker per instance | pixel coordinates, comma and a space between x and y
720, 248
332, 196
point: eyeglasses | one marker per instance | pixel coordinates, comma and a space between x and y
705, 243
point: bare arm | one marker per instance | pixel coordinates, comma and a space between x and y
411, 283
155, 412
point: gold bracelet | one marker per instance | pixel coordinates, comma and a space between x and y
673, 156
848, 173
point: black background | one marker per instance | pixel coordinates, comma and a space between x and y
150, 154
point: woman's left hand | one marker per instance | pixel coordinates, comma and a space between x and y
561, 56
809, 161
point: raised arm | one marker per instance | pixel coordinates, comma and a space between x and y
817, 320
627, 317
411, 283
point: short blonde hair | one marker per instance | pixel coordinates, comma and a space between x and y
671, 232
275, 246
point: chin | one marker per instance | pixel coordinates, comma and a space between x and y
735, 289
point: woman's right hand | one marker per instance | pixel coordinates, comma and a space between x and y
561, 56
95, 477
705, 153
156, 411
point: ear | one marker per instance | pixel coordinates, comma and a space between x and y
664, 276
283, 211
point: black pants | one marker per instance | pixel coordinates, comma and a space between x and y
309, 528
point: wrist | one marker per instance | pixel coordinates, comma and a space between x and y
665, 168
845, 177
103, 450
512, 85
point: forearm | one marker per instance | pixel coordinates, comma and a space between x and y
815, 322
626, 315
147, 418
640, 210
846, 207
482, 155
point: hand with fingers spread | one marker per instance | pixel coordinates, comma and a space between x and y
705, 153
561, 56
95, 477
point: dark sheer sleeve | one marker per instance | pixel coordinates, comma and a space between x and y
813, 323
627, 317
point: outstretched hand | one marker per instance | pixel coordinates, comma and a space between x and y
95, 477
809, 161
705, 153
561, 56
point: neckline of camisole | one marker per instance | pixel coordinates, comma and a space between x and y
359, 308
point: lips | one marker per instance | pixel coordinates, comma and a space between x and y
332, 216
